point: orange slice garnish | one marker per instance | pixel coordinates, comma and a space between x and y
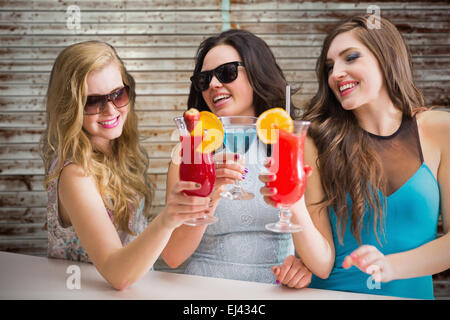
211, 129
269, 121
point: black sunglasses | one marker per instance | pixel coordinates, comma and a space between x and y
97, 104
225, 73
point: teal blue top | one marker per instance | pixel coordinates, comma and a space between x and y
410, 220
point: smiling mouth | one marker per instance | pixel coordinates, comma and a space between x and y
109, 123
221, 97
346, 87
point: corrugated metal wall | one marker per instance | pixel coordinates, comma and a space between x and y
158, 40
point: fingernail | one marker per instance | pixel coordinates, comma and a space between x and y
353, 255
246, 170
278, 281
244, 176
236, 156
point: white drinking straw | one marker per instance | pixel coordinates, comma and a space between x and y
288, 99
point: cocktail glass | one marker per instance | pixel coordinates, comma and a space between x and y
240, 133
197, 167
287, 163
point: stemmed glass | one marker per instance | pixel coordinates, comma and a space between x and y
197, 167
287, 163
240, 133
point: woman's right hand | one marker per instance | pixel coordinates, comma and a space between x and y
181, 207
229, 168
267, 177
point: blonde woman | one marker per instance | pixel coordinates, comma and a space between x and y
99, 194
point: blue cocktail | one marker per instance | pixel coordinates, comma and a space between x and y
240, 133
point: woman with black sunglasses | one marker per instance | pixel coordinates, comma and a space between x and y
99, 193
236, 75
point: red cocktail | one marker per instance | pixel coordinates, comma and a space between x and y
287, 164
196, 166
288, 167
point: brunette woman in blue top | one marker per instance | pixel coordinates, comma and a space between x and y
381, 170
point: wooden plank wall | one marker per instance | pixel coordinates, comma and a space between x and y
158, 40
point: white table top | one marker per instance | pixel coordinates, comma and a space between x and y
35, 278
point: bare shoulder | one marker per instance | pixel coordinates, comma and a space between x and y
75, 187
72, 171
434, 126
73, 177
435, 122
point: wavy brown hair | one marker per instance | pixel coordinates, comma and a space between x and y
121, 177
348, 165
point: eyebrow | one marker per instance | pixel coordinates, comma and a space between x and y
341, 54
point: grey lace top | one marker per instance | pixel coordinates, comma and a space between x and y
238, 246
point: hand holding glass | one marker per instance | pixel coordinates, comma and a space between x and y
287, 163
240, 133
197, 167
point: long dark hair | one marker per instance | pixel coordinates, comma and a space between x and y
347, 163
263, 72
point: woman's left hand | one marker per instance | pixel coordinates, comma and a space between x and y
370, 260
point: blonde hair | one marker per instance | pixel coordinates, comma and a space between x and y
121, 176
